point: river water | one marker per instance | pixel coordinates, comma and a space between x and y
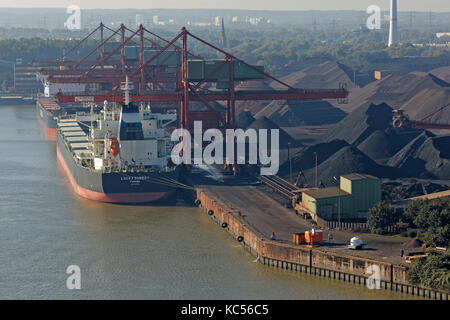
166, 251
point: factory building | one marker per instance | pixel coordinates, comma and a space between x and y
356, 194
25, 80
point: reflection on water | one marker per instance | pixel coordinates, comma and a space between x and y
166, 251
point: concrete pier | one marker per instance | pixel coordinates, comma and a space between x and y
250, 216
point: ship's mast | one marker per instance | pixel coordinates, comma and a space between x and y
126, 88
91, 116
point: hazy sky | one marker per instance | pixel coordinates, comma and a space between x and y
404, 5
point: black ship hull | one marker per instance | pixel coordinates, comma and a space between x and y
116, 187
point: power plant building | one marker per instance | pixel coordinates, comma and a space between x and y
356, 194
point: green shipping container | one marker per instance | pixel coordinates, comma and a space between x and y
108, 47
166, 58
132, 52
199, 70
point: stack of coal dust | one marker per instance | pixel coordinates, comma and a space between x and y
427, 156
293, 113
286, 143
349, 160
394, 90
284, 138
394, 190
201, 107
253, 106
306, 157
244, 119
429, 102
369, 129
334, 158
403, 65
413, 153
442, 73
365, 142
327, 75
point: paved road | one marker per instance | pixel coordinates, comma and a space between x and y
262, 212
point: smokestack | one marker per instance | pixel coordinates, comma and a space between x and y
393, 31
223, 38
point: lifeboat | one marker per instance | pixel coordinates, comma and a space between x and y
114, 147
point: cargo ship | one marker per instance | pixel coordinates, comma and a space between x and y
47, 111
16, 100
119, 155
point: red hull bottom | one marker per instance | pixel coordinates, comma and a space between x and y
49, 132
142, 197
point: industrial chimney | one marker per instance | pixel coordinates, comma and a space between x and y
393, 31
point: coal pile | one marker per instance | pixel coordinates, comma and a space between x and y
327, 75
293, 113
244, 119
347, 160
361, 123
370, 145
306, 158
361, 143
369, 128
409, 188
427, 102
442, 73
427, 156
406, 159
284, 138
381, 145
200, 107
378, 146
404, 65
252, 85
253, 106
394, 90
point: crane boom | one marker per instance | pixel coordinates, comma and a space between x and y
401, 120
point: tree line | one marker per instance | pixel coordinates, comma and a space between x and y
280, 50
429, 221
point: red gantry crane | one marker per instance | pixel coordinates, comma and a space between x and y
164, 73
115, 60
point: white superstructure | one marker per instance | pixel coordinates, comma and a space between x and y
121, 139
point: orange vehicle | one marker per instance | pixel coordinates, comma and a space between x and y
298, 238
314, 236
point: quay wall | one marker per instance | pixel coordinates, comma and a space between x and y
302, 259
